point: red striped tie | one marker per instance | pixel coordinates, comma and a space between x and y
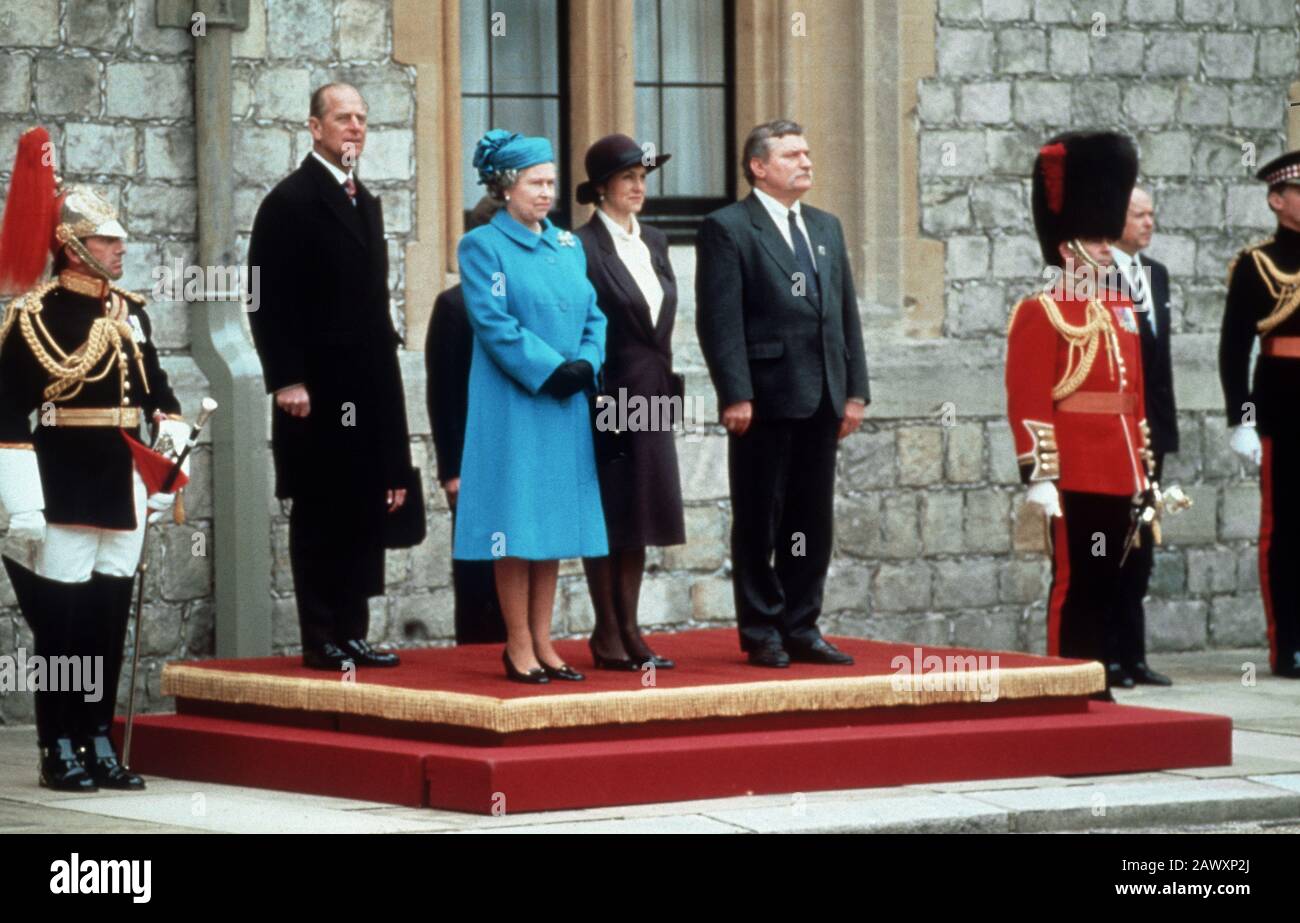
350, 187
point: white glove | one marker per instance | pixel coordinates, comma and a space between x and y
1043, 495
179, 432
28, 526
159, 506
1245, 442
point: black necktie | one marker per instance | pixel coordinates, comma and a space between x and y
803, 257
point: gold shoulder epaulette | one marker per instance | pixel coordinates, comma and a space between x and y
1249, 248
1084, 341
30, 301
129, 296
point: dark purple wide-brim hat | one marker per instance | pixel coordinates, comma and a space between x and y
610, 155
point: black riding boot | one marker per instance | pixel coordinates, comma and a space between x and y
110, 615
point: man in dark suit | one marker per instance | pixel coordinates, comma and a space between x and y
1148, 285
448, 345
329, 354
778, 324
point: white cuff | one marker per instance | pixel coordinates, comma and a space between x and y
20, 481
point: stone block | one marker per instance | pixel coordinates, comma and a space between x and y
66, 86
920, 456
965, 584
1248, 569
1218, 12
363, 30
1277, 54
425, 616
1117, 52
998, 205
100, 24
991, 629
706, 541
169, 153
150, 90
1022, 51
703, 466
1153, 11
858, 525
1238, 621
986, 103
967, 257
16, 83
868, 460
964, 455
31, 22
977, 308
1017, 257
987, 522
937, 103
899, 526
284, 93
261, 155
1176, 625
1241, 511
941, 518
1172, 54
1265, 13
1168, 573
1255, 107
848, 589
199, 630
1197, 525
1023, 580
665, 600
90, 148
1229, 55
1003, 467
1068, 51
1150, 104
150, 38
153, 209
944, 210
1246, 208
1193, 206
296, 29
952, 153
1202, 104
964, 52
1056, 11
712, 600
960, 10
1211, 571
903, 587
251, 42
1095, 102
1041, 102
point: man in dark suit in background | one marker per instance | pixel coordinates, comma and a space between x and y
1148, 285
778, 324
448, 346
329, 354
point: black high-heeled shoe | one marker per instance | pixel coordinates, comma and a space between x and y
602, 662
536, 676
563, 671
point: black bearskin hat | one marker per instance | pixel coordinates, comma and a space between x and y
1082, 184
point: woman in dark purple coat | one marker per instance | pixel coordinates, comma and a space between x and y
640, 490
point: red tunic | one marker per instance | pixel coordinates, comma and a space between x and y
1091, 436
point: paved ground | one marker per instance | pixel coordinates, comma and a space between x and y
1259, 793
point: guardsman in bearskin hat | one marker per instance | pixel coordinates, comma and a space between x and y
1074, 386
76, 351
1263, 294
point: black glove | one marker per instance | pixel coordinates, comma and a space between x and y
569, 379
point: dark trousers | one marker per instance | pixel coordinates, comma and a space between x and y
1088, 583
782, 476
477, 611
336, 555
1279, 543
1126, 642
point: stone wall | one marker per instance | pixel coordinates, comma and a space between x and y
928, 548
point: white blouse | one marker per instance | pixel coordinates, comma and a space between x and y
634, 253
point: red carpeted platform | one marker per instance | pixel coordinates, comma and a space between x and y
446, 730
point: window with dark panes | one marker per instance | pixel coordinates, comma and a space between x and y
685, 103
513, 76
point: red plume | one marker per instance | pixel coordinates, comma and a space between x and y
31, 214
1053, 160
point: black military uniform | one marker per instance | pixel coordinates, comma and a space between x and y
1263, 294
77, 351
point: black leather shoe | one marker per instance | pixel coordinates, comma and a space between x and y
366, 656
660, 663
102, 763
1117, 677
612, 663
1144, 675
329, 657
770, 656
1288, 668
563, 671
537, 676
62, 771
820, 651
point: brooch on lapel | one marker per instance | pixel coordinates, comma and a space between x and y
566, 239
137, 330
821, 249
1127, 320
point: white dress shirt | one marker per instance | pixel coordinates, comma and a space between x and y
634, 253
781, 215
339, 176
1139, 284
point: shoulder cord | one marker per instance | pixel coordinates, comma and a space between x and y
1283, 288
1084, 342
71, 371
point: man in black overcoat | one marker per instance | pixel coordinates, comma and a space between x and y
329, 355
778, 324
448, 346
1147, 281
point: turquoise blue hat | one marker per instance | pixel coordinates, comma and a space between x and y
508, 150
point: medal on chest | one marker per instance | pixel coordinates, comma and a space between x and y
1127, 319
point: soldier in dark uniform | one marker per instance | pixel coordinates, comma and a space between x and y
78, 351
1075, 388
1263, 294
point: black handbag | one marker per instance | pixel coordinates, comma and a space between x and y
611, 444
406, 526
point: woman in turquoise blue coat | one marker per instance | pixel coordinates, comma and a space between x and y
529, 495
